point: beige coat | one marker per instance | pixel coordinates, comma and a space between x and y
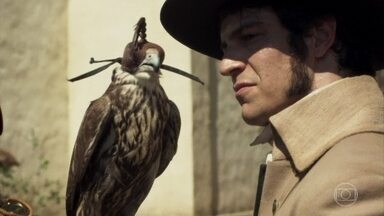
328, 153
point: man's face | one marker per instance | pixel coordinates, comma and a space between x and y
258, 57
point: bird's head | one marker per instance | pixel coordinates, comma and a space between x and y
143, 60
151, 56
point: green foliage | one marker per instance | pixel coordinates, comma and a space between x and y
35, 188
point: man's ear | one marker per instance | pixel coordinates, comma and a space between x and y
324, 33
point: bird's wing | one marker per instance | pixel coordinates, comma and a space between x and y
96, 123
171, 135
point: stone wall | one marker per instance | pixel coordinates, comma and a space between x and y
33, 90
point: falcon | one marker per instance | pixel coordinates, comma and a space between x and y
127, 137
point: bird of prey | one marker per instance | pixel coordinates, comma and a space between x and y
127, 137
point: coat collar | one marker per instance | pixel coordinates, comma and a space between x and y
304, 131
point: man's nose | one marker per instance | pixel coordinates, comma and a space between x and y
228, 67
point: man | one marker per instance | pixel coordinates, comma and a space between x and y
304, 70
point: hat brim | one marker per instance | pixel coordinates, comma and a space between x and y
196, 23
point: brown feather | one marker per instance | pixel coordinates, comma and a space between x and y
96, 120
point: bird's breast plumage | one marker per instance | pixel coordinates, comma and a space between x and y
139, 117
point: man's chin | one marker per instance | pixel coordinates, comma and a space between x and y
255, 120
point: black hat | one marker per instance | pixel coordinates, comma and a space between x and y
196, 23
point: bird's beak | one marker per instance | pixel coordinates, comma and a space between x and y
153, 60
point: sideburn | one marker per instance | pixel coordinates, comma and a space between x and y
301, 79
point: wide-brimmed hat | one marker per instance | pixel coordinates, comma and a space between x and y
196, 23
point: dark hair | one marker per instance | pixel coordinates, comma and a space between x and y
354, 51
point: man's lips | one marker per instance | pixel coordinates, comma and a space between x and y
241, 87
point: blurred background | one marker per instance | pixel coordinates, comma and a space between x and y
42, 43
